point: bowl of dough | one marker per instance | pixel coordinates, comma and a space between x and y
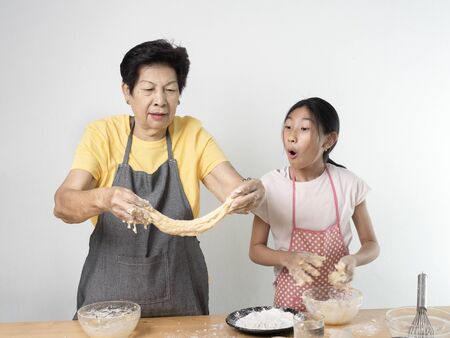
399, 321
338, 305
111, 319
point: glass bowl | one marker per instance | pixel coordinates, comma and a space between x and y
399, 320
339, 306
112, 319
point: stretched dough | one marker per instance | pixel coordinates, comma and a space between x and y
150, 215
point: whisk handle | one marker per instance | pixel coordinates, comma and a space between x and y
422, 291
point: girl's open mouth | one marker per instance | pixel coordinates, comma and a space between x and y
292, 154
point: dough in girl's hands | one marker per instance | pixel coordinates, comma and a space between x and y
338, 277
307, 268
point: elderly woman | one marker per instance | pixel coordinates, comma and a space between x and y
159, 157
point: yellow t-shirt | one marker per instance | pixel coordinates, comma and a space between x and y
103, 145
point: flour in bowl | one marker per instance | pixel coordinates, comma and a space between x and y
271, 319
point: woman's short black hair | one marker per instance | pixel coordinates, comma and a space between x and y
155, 52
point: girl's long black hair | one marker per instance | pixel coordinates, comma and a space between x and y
326, 119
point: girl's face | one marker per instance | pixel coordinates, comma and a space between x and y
154, 100
303, 142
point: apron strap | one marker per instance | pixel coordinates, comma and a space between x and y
292, 175
336, 205
169, 145
294, 225
126, 155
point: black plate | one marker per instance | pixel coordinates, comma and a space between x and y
234, 316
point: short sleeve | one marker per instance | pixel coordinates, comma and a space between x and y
360, 190
91, 153
210, 155
262, 211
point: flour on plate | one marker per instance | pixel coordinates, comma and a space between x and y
266, 320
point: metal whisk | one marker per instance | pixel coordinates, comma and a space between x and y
421, 326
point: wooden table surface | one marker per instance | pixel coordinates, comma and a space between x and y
368, 323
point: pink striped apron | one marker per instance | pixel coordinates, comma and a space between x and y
329, 243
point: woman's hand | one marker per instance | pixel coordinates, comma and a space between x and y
302, 265
224, 181
247, 196
78, 199
123, 203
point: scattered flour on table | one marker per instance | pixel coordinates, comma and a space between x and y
266, 319
367, 329
210, 331
338, 333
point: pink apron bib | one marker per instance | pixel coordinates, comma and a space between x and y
329, 243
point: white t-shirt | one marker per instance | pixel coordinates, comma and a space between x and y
314, 203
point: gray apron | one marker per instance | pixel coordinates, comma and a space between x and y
166, 275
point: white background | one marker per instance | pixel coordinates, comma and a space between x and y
384, 65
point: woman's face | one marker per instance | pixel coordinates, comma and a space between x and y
303, 142
154, 100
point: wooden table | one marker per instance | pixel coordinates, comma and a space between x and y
368, 323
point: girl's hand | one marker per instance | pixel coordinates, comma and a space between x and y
123, 203
302, 265
350, 263
247, 196
344, 271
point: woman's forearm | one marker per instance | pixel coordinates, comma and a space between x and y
222, 180
75, 206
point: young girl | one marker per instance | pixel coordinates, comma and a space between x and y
308, 207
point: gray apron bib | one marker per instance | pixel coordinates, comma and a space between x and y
165, 274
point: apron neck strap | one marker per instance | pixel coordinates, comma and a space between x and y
292, 174
126, 156
129, 142
169, 145
336, 206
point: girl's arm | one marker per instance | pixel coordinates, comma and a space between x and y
369, 246
299, 264
259, 252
